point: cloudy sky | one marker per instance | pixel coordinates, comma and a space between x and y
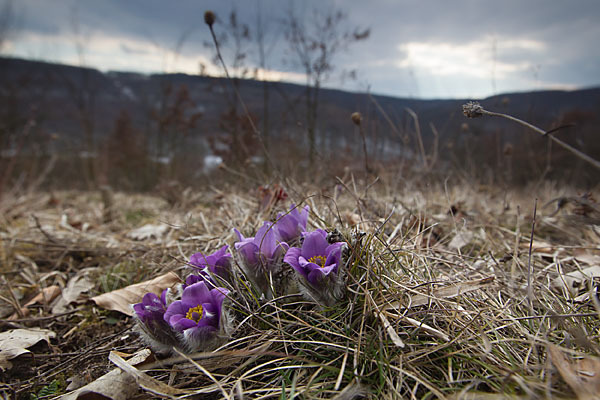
416, 48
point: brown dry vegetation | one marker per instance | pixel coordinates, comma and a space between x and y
422, 246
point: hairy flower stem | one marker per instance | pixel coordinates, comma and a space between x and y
474, 110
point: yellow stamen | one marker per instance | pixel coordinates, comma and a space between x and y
319, 260
195, 314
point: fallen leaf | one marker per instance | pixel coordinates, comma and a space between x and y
148, 231
115, 385
14, 342
587, 257
44, 297
461, 239
448, 292
540, 246
572, 283
122, 299
79, 284
583, 376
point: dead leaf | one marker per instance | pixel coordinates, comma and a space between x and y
351, 218
448, 292
115, 385
539, 246
79, 284
44, 297
148, 231
461, 239
122, 299
572, 283
14, 342
583, 376
587, 257
588, 369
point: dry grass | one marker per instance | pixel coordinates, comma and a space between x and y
405, 330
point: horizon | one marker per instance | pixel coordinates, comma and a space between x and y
325, 87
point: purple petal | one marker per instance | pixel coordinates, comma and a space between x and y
334, 253
241, 237
314, 245
193, 278
282, 248
248, 252
291, 257
265, 240
329, 269
181, 323
218, 295
303, 217
175, 308
195, 294
315, 277
287, 227
210, 315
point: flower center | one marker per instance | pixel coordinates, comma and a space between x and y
319, 260
195, 314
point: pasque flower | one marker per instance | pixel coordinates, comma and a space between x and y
261, 255
317, 264
262, 249
218, 263
150, 321
290, 226
198, 316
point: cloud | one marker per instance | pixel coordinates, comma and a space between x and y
476, 59
427, 48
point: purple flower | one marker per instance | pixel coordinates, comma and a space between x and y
318, 265
260, 258
198, 315
150, 317
262, 250
290, 226
218, 263
151, 308
316, 259
202, 276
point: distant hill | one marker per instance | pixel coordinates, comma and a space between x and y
81, 104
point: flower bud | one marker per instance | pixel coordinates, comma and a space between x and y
209, 18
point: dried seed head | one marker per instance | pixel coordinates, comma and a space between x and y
356, 118
472, 109
508, 149
209, 18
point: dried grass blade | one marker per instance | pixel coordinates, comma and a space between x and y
447, 292
144, 381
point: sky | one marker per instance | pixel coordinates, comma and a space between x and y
416, 48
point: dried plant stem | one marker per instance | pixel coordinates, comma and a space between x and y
530, 294
473, 110
239, 97
364, 143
